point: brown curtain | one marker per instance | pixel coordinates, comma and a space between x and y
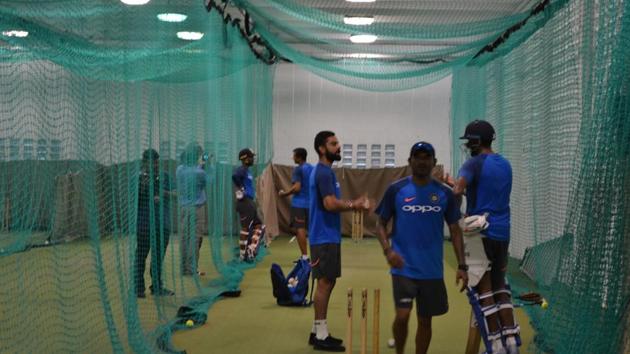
354, 183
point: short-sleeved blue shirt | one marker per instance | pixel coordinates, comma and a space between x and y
242, 178
324, 226
488, 187
301, 174
419, 213
191, 185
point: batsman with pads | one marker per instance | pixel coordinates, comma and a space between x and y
486, 180
252, 228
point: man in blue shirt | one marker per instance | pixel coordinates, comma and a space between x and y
324, 234
300, 191
191, 184
153, 223
486, 180
419, 206
245, 200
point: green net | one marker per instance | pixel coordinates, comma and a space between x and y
417, 42
87, 86
559, 102
89, 89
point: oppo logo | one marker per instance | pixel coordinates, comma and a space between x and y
422, 208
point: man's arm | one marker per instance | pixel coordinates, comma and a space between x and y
326, 188
332, 204
237, 179
393, 258
459, 187
296, 184
167, 188
296, 187
458, 248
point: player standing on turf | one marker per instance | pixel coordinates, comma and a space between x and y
419, 206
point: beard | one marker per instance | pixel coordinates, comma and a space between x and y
473, 149
333, 156
474, 152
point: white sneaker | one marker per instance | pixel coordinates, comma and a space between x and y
498, 348
511, 346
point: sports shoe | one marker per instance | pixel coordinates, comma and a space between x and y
312, 337
511, 346
328, 345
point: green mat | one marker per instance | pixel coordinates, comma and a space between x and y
254, 322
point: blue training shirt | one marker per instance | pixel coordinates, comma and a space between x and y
323, 226
242, 178
191, 185
488, 187
301, 174
419, 213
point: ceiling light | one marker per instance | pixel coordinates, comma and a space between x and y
134, 2
189, 36
360, 0
363, 38
15, 33
358, 20
172, 17
366, 56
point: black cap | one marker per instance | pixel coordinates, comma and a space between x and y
422, 146
245, 153
479, 129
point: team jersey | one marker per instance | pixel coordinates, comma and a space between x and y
301, 174
488, 187
242, 178
323, 226
419, 213
191, 185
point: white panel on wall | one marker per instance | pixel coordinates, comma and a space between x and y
305, 104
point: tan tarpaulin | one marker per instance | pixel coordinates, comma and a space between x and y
354, 183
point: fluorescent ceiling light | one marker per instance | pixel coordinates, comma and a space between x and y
189, 36
15, 33
363, 38
134, 2
172, 17
366, 56
360, 0
358, 20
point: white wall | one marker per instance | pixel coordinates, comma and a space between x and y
305, 104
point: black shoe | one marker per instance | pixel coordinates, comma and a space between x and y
312, 337
141, 294
329, 345
162, 292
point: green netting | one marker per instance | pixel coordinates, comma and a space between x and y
96, 82
112, 41
418, 42
92, 86
560, 104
